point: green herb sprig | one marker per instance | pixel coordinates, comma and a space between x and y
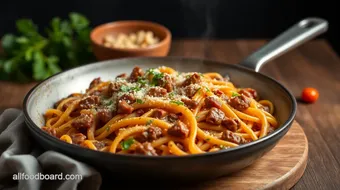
32, 56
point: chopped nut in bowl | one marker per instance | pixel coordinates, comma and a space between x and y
130, 39
139, 39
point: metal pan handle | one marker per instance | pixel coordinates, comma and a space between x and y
296, 35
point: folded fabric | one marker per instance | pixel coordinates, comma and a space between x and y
25, 165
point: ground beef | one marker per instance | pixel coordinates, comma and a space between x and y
159, 113
112, 88
193, 79
78, 138
212, 102
140, 112
232, 137
157, 92
99, 145
95, 82
150, 134
190, 90
215, 116
249, 92
136, 72
88, 102
104, 115
231, 124
239, 102
85, 120
124, 107
146, 149
123, 75
50, 130
172, 118
221, 95
191, 104
179, 129
129, 98
166, 82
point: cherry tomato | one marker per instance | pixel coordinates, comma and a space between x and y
310, 95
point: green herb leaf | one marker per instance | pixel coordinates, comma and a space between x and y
149, 122
124, 88
9, 66
177, 102
29, 54
78, 21
8, 43
66, 28
108, 128
139, 101
222, 147
171, 94
52, 64
39, 68
207, 89
235, 94
127, 143
141, 81
26, 27
208, 139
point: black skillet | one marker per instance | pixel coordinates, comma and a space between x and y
192, 167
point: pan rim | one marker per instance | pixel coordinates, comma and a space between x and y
284, 126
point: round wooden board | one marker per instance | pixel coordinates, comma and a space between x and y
280, 168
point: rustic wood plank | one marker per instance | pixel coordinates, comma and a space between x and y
291, 163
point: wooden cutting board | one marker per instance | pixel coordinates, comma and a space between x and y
280, 168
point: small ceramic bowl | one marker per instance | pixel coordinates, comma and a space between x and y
114, 28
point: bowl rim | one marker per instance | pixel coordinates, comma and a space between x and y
163, 42
282, 128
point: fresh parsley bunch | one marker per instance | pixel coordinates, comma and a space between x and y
31, 56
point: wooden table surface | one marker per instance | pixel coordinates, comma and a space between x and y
312, 64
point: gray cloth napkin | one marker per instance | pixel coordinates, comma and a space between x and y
21, 155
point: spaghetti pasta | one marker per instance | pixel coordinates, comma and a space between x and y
161, 111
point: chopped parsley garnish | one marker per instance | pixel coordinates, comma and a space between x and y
222, 147
235, 94
208, 139
127, 143
177, 102
207, 89
141, 81
139, 101
156, 76
135, 88
149, 122
201, 75
188, 76
109, 103
171, 94
197, 117
127, 89
108, 128
124, 88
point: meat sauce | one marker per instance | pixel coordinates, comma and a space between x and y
121, 96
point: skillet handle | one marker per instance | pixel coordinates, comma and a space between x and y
296, 35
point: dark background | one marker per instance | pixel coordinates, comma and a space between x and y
227, 19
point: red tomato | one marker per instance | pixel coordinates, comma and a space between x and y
309, 95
